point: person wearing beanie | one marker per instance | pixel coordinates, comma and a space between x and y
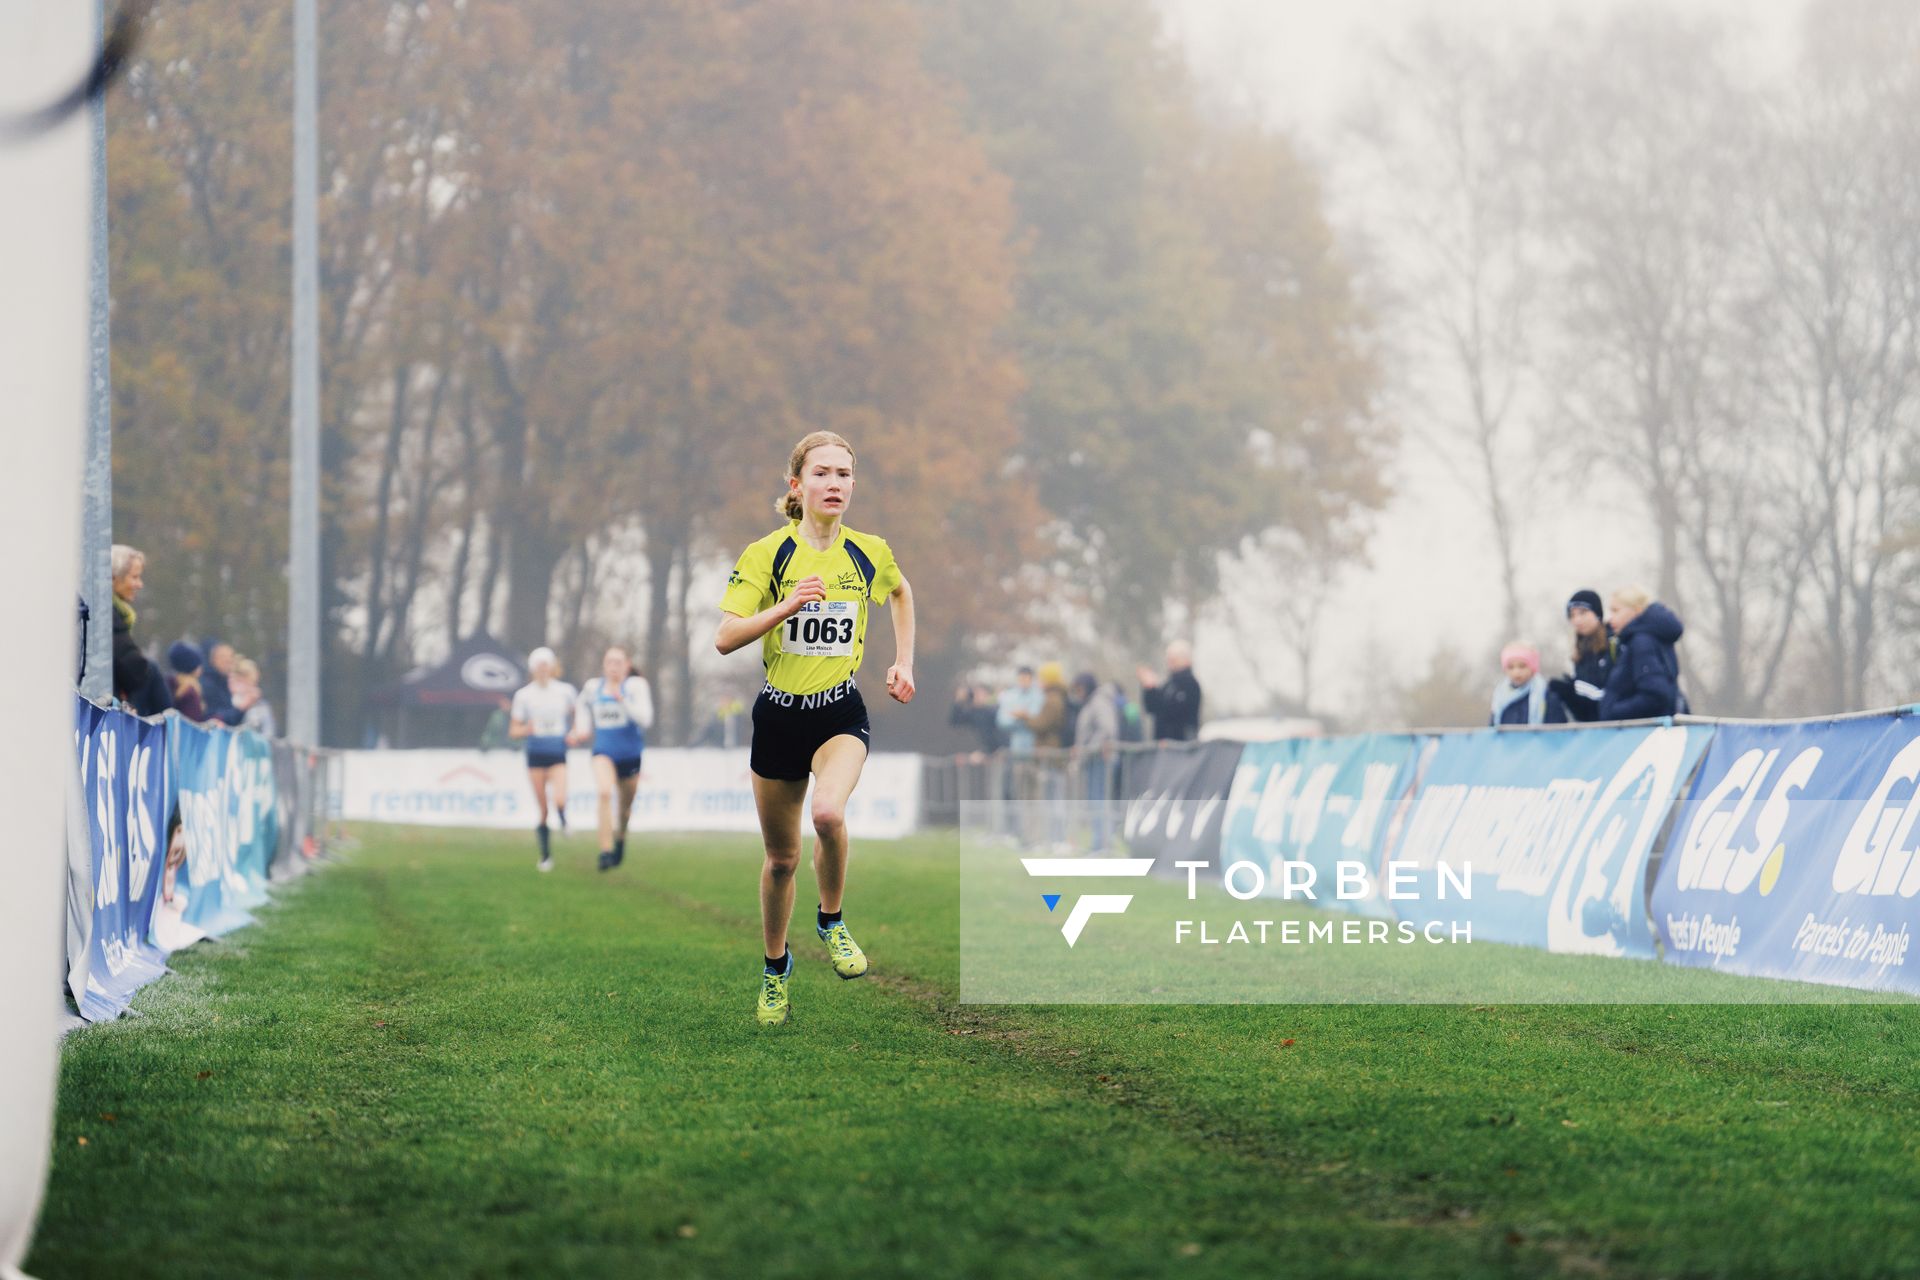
186, 660
1523, 697
1050, 727
1595, 650
1049, 722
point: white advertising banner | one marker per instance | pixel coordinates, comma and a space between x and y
690, 789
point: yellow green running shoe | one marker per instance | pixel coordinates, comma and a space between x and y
849, 961
772, 1009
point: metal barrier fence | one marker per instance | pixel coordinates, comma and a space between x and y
999, 783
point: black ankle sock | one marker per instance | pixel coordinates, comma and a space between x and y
779, 967
828, 919
541, 831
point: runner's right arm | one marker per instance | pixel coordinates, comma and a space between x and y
737, 631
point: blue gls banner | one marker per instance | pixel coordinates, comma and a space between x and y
1795, 855
1319, 801
219, 795
123, 776
1556, 827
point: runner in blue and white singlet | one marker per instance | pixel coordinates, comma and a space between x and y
615, 709
542, 712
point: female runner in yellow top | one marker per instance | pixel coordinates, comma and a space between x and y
805, 591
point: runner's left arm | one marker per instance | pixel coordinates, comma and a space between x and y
900, 674
640, 701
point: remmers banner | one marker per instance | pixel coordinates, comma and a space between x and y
1319, 801
221, 786
123, 774
1179, 812
1795, 855
1556, 828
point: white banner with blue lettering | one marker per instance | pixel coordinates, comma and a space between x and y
1321, 801
225, 797
1795, 855
123, 775
680, 789
1556, 828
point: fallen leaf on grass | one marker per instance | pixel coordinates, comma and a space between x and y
688, 1231
109, 1117
1191, 1249
1515, 1238
1286, 1044
204, 1075
82, 1139
380, 1022
1571, 1124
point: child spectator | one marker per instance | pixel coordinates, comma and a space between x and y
256, 713
186, 661
216, 689
1523, 697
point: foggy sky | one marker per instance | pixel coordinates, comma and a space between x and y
1301, 65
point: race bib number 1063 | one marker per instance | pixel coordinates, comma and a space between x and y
822, 629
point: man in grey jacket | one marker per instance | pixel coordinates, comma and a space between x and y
1095, 733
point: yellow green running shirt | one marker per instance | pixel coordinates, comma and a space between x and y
822, 645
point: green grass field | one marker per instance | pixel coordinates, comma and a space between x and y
430, 1060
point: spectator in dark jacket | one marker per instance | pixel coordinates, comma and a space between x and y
1645, 681
186, 661
1174, 703
1595, 650
136, 681
216, 688
975, 711
1524, 697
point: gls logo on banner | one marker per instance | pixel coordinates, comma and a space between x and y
1088, 905
1709, 860
1877, 857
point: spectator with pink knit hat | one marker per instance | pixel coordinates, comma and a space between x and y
1524, 696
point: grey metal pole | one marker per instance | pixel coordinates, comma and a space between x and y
96, 480
303, 569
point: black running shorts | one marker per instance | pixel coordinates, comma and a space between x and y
546, 753
789, 727
623, 766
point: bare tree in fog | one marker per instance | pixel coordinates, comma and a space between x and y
1842, 234
1651, 167
1451, 157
